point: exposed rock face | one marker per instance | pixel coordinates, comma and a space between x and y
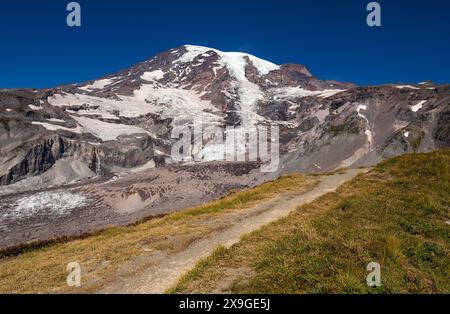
442, 130
125, 152
386, 121
37, 159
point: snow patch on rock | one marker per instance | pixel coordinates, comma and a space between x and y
106, 131
103, 130
100, 84
284, 93
358, 110
418, 106
406, 86
33, 107
368, 132
55, 127
153, 76
56, 120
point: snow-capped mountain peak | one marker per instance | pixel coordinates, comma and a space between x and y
191, 81
125, 119
234, 61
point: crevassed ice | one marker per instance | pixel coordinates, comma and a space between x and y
46, 203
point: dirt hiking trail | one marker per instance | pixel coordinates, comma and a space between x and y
166, 269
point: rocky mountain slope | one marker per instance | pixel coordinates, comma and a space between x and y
124, 120
119, 125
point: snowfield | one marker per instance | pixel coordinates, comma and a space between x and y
107, 131
180, 104
127, 107
103, 130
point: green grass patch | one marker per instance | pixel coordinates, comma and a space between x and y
397, 215
244, 199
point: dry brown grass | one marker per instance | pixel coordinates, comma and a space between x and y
43, 270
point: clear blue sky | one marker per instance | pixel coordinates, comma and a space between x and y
330, 37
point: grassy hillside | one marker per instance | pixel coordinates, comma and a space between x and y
44, 269
397, 215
